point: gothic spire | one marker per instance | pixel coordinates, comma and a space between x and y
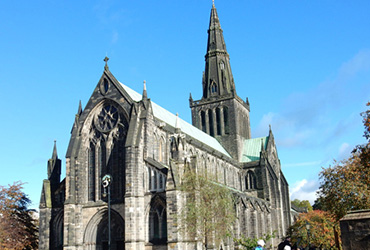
218, 79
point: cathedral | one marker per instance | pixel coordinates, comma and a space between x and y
126, 155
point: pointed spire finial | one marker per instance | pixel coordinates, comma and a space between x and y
79, 108
177, 121
145, 96
106, 59
55, 154
213, 3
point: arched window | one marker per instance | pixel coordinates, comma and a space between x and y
218, 121
157, 223
101, 163
210, 117
203, 121
106, 152
162, 150
222, 65
250, 180
213, 88
226, 120
91, 172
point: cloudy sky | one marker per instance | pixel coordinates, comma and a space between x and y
304, 66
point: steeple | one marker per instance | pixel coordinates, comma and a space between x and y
220, 112
218, 79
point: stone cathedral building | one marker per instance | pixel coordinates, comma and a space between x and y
145, 149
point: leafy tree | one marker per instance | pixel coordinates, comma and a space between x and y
320, 233
345, 187
208, 212
302, 204
18, 226
364, 150
251, 243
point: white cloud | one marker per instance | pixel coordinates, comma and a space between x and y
344, 151
304, 190
303, 164
360, 62
114, 37
313, 118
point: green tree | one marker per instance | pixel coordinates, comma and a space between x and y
208, 213
18, 226
320, 232
250, 243
302, 204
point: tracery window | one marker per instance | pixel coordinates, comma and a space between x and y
106, 152
157, 223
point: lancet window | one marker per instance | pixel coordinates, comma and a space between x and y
157, 223
250, 180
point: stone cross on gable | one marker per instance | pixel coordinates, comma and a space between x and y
106, 59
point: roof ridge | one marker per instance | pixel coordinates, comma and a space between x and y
163, 114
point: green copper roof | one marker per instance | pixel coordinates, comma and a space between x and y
252, 148
169, 118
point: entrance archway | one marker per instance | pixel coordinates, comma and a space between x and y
96, 233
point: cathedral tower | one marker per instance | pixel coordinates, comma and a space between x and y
220, 112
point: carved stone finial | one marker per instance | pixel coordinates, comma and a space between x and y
106, 59
213, 2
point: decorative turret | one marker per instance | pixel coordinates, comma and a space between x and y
54, 168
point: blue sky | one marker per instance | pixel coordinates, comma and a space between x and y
304, 65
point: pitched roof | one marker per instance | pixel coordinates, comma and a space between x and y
169, 118
252, 148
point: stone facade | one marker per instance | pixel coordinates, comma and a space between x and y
146, 150
355, 230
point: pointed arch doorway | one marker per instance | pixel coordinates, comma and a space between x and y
96, 233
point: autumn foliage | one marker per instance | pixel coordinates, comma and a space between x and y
345, 186
320, 233
18, 228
